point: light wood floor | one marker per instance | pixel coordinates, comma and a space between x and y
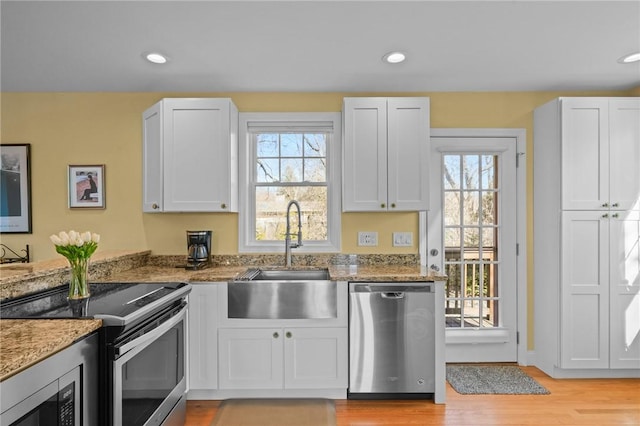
571, 402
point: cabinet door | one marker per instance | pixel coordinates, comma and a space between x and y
365, 154
203, 339
152, 159
584, 330
624, 148
625, 290
197, 159
315, 358
585, 153
408, 150
250, 358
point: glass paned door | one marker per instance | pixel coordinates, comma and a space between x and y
472, 222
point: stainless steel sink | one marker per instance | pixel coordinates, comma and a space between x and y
282, 294
285, 275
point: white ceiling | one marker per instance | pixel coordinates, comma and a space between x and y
319, 45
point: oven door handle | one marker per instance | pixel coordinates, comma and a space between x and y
151, 335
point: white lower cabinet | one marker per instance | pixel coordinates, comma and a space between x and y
282, 358
203, 342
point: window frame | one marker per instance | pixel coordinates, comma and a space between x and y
247, 158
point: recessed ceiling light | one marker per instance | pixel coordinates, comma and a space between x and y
394, 57
156, 58
632, 57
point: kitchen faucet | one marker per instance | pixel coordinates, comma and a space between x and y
288, 245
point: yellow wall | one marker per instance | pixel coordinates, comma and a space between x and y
105, 128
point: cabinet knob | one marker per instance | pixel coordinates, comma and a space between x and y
289, 335
223, 206
606, 215
383, 205
155, 206
605, 205
276, 335
615, 215
393, 205
615, 205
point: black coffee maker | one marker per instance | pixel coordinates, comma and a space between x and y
199, 246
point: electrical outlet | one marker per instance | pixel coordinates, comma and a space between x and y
367, 238
403, 239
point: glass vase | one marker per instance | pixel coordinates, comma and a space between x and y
79, 280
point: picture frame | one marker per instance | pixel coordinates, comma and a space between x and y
15, 188
86, 186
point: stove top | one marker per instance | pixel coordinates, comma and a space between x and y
114, 303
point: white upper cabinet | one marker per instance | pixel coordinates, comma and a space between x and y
190, 160
600, 153
386, 154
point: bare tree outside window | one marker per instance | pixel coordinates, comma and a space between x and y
291, 166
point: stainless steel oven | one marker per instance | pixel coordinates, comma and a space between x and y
147, 372
141, 347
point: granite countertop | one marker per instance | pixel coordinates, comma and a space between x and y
24, 343
377, 273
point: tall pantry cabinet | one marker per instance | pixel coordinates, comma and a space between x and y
587, 237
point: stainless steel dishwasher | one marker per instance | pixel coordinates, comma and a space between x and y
391, 340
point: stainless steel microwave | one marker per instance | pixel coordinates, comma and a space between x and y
56, 404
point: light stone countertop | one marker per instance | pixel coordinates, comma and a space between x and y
375, 273
24, 343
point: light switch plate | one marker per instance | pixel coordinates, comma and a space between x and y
403, 239
367, 238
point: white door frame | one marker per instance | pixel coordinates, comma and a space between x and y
521, 222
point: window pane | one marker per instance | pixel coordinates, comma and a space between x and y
489, 171
315, 170
452, 237
489, 200
471, 172
471, 240
315, 145
451, 208
268, 170
291, 145
271, 206
267, 145
452, 172
471, 207
291, 169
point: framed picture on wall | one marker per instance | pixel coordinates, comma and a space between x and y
86, 187
15, 189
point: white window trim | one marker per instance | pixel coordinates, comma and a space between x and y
246, 211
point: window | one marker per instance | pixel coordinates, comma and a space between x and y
284, 157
